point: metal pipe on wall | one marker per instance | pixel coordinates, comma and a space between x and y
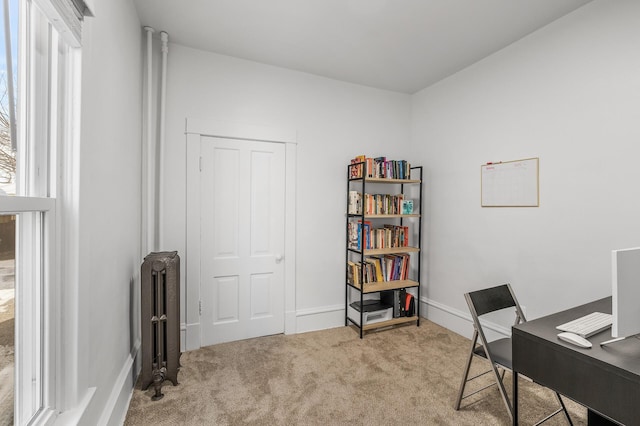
164, 38
148, 186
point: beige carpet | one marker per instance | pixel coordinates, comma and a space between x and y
407, 375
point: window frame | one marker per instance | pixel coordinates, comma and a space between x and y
37, 242
48, 191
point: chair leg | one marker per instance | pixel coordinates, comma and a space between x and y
503, 391
466, 370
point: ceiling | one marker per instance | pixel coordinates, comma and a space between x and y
398, 45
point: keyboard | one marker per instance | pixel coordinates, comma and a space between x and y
588, 325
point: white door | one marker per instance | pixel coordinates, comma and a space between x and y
242, 185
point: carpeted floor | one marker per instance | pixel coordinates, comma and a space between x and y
405, 375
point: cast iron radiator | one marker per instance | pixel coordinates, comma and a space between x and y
160, 299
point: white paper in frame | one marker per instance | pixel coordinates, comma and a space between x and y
510, 183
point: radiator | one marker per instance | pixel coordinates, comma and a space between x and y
160, 311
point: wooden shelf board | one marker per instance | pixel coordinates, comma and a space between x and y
396, 181
391, 250
390, 322
386, 285
387, 216
384, 180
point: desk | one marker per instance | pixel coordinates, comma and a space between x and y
604, 379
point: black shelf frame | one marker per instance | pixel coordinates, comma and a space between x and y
351, 216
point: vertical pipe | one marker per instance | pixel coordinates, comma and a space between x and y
149, 175
164, 37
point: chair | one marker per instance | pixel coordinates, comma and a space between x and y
498, 352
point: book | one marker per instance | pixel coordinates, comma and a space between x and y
353, 272
355, 202
359, 235
378, 264
407, 206
353, 236
380, 167
357, 167
365, 235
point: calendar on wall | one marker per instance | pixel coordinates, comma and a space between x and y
510, 183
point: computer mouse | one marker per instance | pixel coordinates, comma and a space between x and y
574, 339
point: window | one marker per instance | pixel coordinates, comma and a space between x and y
36, 185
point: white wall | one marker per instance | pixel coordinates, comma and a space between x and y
568, 94
110, 204
335, 121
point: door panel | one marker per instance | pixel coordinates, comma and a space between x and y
226, 298
242, 239
222, 182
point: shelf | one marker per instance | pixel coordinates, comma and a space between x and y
385, 285
389, 323
388, 250
400, 232
382, 216
385, 180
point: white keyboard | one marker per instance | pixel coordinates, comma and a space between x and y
588, 325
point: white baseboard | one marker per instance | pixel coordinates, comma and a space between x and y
453, 319
319, 318
325, 317
183, 337
295, 322
115, 410
75, 415
290, 321
191, 337
459, 321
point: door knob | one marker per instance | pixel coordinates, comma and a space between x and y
279, 258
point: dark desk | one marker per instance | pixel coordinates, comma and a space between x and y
605, 379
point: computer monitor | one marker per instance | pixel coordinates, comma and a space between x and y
625, 280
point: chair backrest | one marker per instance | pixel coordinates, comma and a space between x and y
494, 299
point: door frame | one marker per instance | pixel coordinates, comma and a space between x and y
195, 129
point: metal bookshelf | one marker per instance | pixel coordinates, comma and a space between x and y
357, 291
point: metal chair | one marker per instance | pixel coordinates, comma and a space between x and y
497, 352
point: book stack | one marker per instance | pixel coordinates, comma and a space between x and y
378, 204
383, 203
363, 235
379, 167
391, 267
355, 202
356, 169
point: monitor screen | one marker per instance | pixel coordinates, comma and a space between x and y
625, 279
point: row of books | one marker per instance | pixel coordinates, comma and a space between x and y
391, 267
363, 235
379, 167
379, 204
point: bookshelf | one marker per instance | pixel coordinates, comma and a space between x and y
384, 234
